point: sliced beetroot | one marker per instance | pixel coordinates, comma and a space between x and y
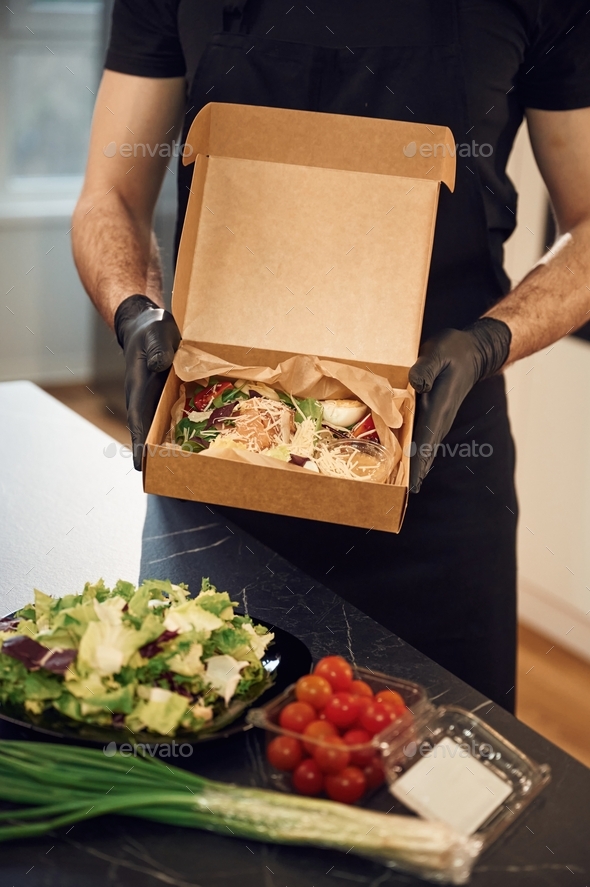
252, 393
59, 661
298, 460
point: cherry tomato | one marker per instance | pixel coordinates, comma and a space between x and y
333, 755
360, 688
318, 730
314, 690
347, 786
284, 752
376, 717
307, 778
296, 716
342, 709
360, 757
363, 702
374, 773
336, 670
393, 699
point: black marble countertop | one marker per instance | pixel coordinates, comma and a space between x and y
183, 541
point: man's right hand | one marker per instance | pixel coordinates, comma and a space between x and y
149, 338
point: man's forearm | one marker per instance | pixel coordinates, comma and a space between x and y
553, 299
116, 255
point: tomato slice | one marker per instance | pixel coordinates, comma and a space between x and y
202, 400
366, 429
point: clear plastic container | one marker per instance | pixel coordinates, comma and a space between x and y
361, 459
417, 734
475, 739
267, 717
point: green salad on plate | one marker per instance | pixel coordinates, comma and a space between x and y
149, 658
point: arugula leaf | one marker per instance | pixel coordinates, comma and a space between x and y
311, 409
229, 396
309, 406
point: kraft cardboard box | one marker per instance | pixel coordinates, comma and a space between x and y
310, 234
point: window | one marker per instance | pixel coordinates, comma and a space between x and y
50, 53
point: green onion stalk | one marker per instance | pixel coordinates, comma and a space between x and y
58, 785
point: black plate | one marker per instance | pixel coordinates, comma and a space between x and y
285, 660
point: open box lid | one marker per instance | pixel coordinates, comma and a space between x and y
308, 233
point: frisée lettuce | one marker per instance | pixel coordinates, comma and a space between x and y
149, 658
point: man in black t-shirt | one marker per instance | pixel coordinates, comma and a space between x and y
447, 582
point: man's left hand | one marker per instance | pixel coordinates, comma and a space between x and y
448, 367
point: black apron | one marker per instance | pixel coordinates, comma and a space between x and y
446, 584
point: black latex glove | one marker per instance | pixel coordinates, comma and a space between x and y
448, 367
149, 338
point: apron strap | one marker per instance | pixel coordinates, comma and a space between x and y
232, 16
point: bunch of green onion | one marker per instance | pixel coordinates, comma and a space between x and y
57, 785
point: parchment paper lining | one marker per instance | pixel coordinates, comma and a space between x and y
303, 376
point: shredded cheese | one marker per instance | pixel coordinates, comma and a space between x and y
304, 439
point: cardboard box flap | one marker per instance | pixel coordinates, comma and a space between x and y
307, 233
337, 141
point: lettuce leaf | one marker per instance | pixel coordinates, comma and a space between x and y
217, 602
43, 604
161, 714
38, 685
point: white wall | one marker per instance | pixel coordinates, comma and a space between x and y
46, 329
548, 402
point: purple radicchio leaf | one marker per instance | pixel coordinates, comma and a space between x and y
35, 656
298, 460
220, 413
26, 650
154, 647
9, 624
170, 677
58, 661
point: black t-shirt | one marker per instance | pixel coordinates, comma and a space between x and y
516, 54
